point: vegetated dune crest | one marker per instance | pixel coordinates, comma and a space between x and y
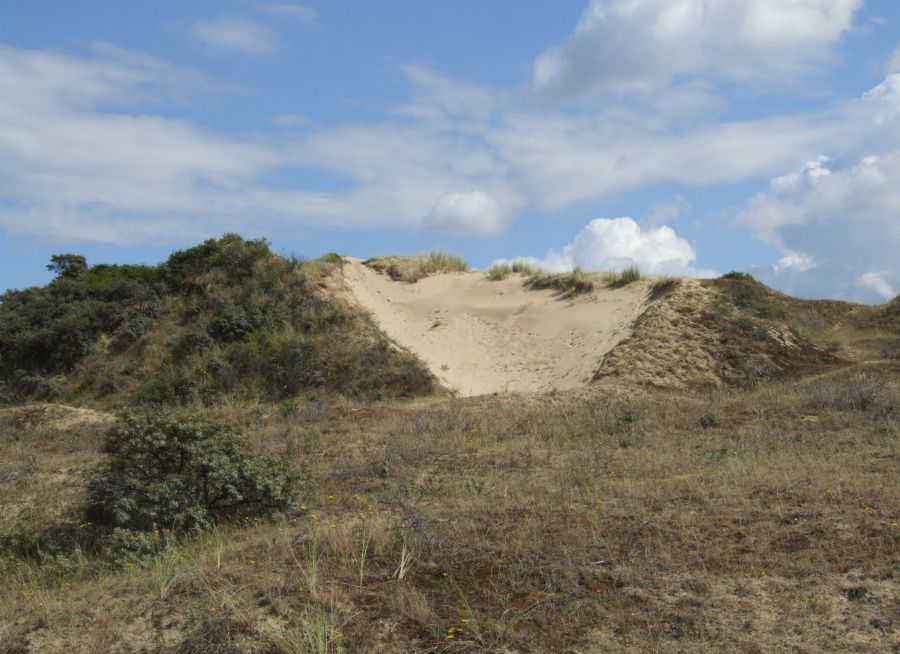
480, 336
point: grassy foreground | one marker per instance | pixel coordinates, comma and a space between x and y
599, 521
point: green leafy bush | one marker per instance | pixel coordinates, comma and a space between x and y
174, 474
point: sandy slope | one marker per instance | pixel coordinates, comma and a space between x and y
482, 337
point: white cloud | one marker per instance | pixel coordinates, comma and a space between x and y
233, 34
642, 44
612, 244
75, 164
794, 261
83, 156
842, 212
893, 62
878, 282
470, 212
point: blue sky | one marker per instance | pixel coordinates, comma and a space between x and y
691, 137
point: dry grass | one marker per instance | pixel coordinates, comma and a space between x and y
500, 271
567, 285
602, 520
412, 269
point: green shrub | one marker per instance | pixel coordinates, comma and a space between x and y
227, 317
167, 473
234, 323
740, 276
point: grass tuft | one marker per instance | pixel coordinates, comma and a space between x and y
500, 271
629, 275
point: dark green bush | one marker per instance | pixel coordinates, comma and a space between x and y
168, 473
224, 318
234, 323
741, 276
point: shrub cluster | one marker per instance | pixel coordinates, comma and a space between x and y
224, 318
172, 474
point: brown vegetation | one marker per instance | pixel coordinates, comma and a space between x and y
634, 514
599, 520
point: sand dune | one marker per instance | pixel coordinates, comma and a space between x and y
480, 336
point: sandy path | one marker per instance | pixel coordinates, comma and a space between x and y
482, 337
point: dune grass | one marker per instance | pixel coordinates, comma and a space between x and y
757, 520
500, 271
628, 275
412, 269
566, 285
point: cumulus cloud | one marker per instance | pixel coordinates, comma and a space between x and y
470, 212
841, 213
641, 44
233, 34
612, 244
878, 282
82, 154
893, 62
794, 261
81, 159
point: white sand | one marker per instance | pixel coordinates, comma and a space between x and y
479, 336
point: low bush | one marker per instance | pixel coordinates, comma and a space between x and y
740, 276
167, 473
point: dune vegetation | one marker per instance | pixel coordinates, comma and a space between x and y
225, 453
225, 319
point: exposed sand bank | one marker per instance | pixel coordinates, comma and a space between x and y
480, 336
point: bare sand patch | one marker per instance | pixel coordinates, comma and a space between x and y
480, 336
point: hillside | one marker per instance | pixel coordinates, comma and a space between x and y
480, 336
226, 319
260, 459
523, 333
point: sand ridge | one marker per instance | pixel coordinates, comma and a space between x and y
480, 336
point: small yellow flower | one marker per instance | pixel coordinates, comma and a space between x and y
212, 609
331, 498
444, 574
